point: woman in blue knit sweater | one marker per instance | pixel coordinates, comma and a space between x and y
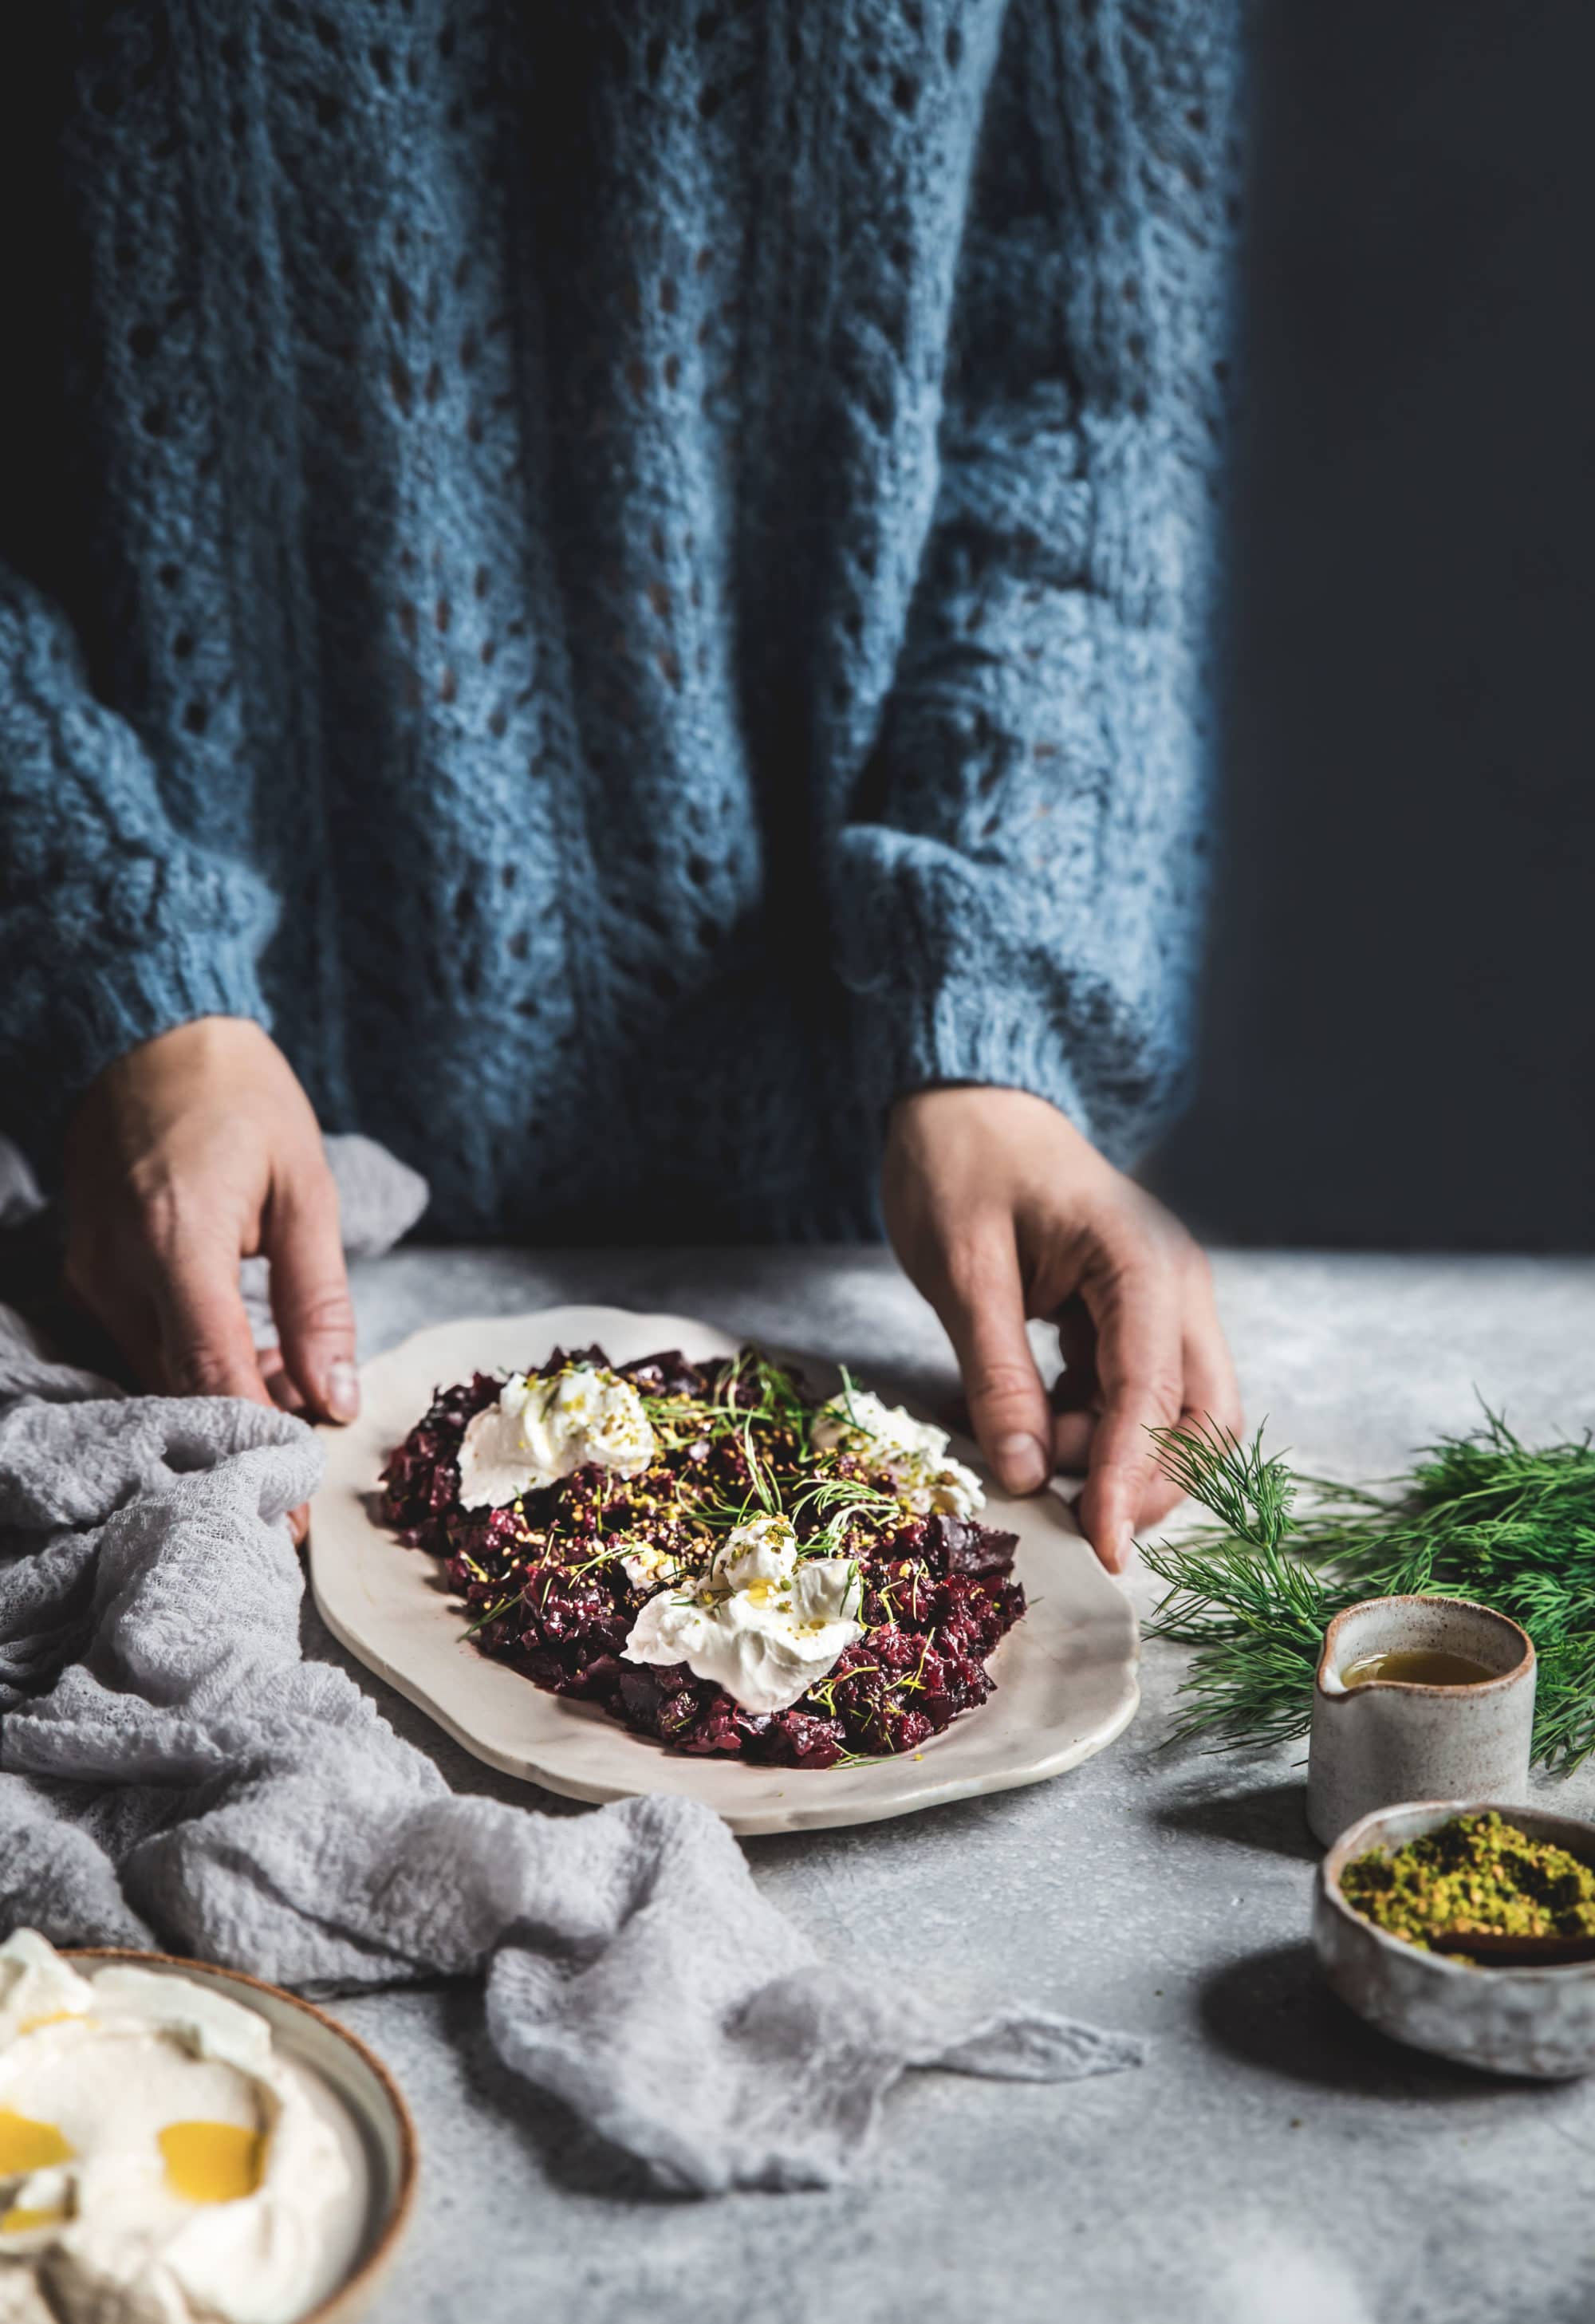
613, 595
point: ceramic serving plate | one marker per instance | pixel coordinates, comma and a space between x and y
1065, 1675
355, 2093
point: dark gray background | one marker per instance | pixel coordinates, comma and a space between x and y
1398, 1045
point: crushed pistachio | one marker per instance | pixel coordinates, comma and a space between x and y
1477, 1875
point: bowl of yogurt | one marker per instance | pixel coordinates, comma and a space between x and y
183, 2145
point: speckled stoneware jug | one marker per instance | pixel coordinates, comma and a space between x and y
1391, 1740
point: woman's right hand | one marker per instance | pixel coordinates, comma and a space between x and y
192, 1152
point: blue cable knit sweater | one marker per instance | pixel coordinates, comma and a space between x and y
630, 577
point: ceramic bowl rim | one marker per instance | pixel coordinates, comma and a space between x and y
365, 2277
1353, 1841
1470, 1691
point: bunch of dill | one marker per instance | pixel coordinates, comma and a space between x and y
1481, 1516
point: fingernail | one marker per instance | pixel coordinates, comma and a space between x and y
1122, 1550
1021, 1463
342, 1390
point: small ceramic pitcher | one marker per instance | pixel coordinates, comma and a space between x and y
1386, 1740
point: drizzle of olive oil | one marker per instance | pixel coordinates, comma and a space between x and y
1416, 1666
22, 2216
212, 2162
26, 2145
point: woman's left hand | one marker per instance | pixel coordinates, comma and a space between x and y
1000, 1210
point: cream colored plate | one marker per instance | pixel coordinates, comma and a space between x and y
355, 2094
1066, 1676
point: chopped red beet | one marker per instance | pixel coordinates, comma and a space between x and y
546, 1588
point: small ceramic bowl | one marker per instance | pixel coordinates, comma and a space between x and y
1396, 1740
1539, 2022
355, 2093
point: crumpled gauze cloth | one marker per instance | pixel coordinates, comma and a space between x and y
174, 1774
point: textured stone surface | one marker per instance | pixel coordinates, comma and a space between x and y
1276, 2162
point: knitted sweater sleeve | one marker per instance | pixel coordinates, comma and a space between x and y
114, 925
1019, 885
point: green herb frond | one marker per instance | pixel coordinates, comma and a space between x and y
1249, 1496
1479, 1515
490, 1614
838, 1500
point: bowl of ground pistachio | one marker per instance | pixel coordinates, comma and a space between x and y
1468, 1929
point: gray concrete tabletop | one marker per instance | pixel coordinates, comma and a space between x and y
1274, 2162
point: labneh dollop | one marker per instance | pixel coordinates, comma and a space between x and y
914, 1451
158, 2163
542, 1429
792, 1578
763, 1624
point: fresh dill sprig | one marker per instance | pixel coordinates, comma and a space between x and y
490, 1614
1250, 1496
1479, 1515
825, 1690
850, 1389
778, 1404
840, 1499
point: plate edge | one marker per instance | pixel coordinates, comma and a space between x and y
749, 1821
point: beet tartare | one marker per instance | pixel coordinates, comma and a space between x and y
714, 1554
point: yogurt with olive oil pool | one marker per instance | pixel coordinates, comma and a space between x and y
160, 2164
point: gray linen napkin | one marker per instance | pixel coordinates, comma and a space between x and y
174, 1772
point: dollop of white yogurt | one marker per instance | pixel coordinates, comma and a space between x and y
542, 1429
914, 1451
157, 2161
761, 1623
645, 1567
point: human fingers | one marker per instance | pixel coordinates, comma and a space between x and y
287, 1398
1141, 1370
161, 1285
108, 1327
981, 1301
1159, 1496
206, 1347
310, 1300
1077, 1398
280, 1387
1072, 1436
1213, 1392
